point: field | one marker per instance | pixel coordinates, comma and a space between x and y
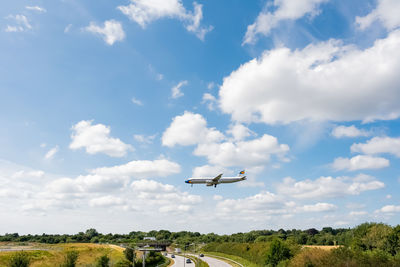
44, 255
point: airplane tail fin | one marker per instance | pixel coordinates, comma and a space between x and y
241, 173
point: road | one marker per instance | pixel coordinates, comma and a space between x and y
212, 262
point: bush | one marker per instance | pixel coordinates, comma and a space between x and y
70, 259
103, 261
129, 254
19, 259
278, 251
123, 263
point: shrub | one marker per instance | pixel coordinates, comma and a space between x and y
19, 259
70, 259
278, 251
103, 261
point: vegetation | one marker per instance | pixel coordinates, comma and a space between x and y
70, 258
369, 244
103, 261
19, 259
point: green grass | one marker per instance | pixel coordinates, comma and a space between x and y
240, 260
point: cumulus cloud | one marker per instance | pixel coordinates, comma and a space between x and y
21, 23
144, 12
176, 90
318, 207
51, 153
386, 12
208, 171
360, 162
106, 201
389, 209
111, 32
319, 82
140, 169
96, 139
378, 145
328, 187
242, 153
239, 131
166, 197
36, 8
348, 131
283, 10
189, 129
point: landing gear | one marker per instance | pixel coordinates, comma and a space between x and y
215, 186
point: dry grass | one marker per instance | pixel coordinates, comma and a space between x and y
53, 255
321, 247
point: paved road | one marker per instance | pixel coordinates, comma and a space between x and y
213, 262
179, 261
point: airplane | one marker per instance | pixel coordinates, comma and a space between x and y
209, 181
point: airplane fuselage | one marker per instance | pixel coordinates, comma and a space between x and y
210, 182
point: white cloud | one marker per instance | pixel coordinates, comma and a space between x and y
111, 32
144, 12
96, 139
348, 131
136, 101
239, 131
389, 209
284, 10
386, 12
29, 174
257, 207
140, 169
106, 201
210, 100
208, 171
242, 153
21, 21
210, 85
189, 129
51, 153
378, 145
144, 139
164, 196
319, 82
36, 8
328, 187
318, 207
358, 213
360, 162
176, 90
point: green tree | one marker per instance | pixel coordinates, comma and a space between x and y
103, 261
392, 244
70, 258
278, 251
19, 259
129, 254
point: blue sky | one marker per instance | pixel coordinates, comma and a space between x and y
107, 107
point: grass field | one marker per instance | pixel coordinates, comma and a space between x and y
53, 255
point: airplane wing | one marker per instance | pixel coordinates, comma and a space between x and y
216, 179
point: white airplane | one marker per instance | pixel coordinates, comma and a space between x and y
209, 181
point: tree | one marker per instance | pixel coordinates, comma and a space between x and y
70, 259
278, 251
103, 261
393, 241
129, 254
19, 259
